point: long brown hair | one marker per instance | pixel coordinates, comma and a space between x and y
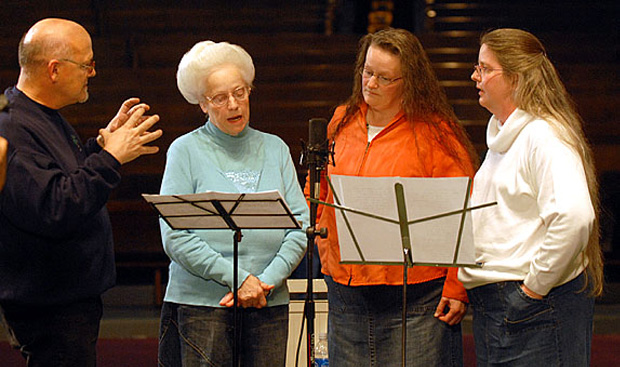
424, 101
540, 92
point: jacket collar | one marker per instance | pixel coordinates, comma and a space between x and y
500, 137
364, 109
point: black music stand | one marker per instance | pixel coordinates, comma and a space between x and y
221, 210
383, 205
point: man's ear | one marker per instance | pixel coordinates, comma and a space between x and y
53, 70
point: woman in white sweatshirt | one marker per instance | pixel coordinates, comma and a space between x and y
533, 298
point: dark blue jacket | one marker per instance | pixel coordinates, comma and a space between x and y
55, 233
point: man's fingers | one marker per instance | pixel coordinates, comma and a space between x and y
134, 118
126, 107
149, 136
148, 150
135, 108
146, 124
128, 103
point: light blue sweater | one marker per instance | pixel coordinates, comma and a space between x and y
201, 268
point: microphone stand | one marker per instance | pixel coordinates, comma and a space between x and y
315, 155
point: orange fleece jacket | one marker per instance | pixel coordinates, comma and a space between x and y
402, 149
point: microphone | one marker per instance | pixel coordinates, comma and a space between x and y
316, 152
317, 133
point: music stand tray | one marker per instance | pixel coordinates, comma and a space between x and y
223, 210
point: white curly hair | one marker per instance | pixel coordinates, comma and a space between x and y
204, 58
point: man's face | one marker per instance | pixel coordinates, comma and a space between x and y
76, 70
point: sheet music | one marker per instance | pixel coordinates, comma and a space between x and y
262, 210
432, 241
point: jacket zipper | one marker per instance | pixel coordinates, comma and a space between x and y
359, 168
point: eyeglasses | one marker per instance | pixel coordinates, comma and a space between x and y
381, 80
88, 67
483, 70
221, 99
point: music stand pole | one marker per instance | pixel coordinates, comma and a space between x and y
407, 261
236, 239
404, 313
236, 324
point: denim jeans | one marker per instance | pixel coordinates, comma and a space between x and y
55, 335
513, 329
192, 336
365, 326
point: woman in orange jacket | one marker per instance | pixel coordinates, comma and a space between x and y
397, 122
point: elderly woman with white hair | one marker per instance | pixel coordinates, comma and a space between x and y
227, 155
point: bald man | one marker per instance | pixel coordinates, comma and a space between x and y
56, 250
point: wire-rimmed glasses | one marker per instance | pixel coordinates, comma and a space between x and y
221, 99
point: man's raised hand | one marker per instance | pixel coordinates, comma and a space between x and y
128, 141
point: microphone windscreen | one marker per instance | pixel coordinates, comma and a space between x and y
317, 132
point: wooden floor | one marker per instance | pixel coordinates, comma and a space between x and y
143, 352
129, 330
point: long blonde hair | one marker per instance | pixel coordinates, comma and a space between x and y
540, 92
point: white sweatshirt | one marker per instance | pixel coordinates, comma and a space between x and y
540, 226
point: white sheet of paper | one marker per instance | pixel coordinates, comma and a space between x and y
432, 241
195, 211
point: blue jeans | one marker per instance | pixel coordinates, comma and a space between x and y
55, 335
192, 336
365, 326
513, 329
